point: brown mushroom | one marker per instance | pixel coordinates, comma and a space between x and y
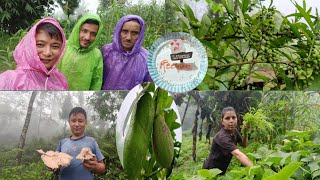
54, 159
85, 154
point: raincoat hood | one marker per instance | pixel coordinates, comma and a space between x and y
116, 43
25, 53
74, 40
31, 73
82, 66
124, 70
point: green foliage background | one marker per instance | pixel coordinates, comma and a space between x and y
251, 46
289, 135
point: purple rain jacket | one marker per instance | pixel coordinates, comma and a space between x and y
124, 70
31, 74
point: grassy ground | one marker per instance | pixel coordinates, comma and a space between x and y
185, 165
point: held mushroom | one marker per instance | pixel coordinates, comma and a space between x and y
54, 159
85, 154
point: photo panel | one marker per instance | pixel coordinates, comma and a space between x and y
39, 120
148, 133
81, 57
253, 45
45, 134
281, 129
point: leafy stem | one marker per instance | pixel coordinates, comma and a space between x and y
248, 62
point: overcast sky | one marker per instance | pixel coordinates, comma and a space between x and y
287, 7
92, 5
284, 6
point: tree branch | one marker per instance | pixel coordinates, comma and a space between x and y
248, 62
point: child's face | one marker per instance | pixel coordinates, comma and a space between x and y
77, 124
48, 49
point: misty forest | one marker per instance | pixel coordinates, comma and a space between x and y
39, 119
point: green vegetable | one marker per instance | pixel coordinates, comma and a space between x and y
139, 136
162, 142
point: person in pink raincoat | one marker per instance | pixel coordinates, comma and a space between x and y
37, 56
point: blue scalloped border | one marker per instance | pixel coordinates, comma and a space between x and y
174, 87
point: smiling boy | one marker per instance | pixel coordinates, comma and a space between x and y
73, 145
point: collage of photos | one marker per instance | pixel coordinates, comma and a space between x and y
159, 89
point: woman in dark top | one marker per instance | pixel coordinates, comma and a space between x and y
224, 144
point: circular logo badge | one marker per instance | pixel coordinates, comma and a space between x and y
177, 62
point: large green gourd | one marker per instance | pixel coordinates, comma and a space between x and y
138, 137
162, 142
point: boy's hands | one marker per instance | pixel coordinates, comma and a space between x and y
55, 170
90, 164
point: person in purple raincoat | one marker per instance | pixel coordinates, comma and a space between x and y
125, 60
37, 56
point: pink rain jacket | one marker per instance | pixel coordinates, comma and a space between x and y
31, 74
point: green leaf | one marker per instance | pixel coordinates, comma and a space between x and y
222, 32
213, 48
214, 172
211, 72
148, 164
279, 42
253, 170
258, 76
275, 160
204, 173
228, 4
306, 16
242, 23
170, 117
288, 56
315, 84
289, 84
255, 155
223, 71
216, 7
315, 174
6, 15
294, 29
306, 31
234, 174
29, 8
314, 166
151, 86
229, 59
175, 125
189, 13
268, 172
203, 86
286, 172
205, 25
162, 100
178, 8
245, 5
